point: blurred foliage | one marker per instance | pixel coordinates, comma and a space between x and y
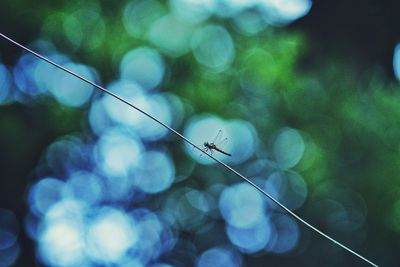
349, 121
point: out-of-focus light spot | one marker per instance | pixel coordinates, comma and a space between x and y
9, 256
287, 234
348, 214
171, 35
118, 152
155, 104
161, 265
84, 186
61, 234
23, 75
73, 30
160, 108
241, 138
98, 119
229, 8
345, 210
44, 194
213, 47
68, 154
249, 22
61, 243
110, 236
396, 61
339, 218
184, 253
281, 12
177, 108
66, 209
31, 223
149, 229
8, 229
132, 262
193, 10
203, 129
242, 206
139, 15
155, 172
122, 113
290, 187
252, 239
288, 148
144, 66
70, 91
219, 257
45, 75
261, 68
5, 85
187, 208
85, 28
34, 77
198, 200
45, 48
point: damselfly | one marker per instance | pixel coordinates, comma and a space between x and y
216, 145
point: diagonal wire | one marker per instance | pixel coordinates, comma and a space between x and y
192, 144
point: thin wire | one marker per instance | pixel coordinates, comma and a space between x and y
192, 144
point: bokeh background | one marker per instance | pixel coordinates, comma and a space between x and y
307, 93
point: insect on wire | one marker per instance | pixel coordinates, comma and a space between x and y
216, 146
294, 215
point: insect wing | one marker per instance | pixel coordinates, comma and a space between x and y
222, 144
205, 150
218, 137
